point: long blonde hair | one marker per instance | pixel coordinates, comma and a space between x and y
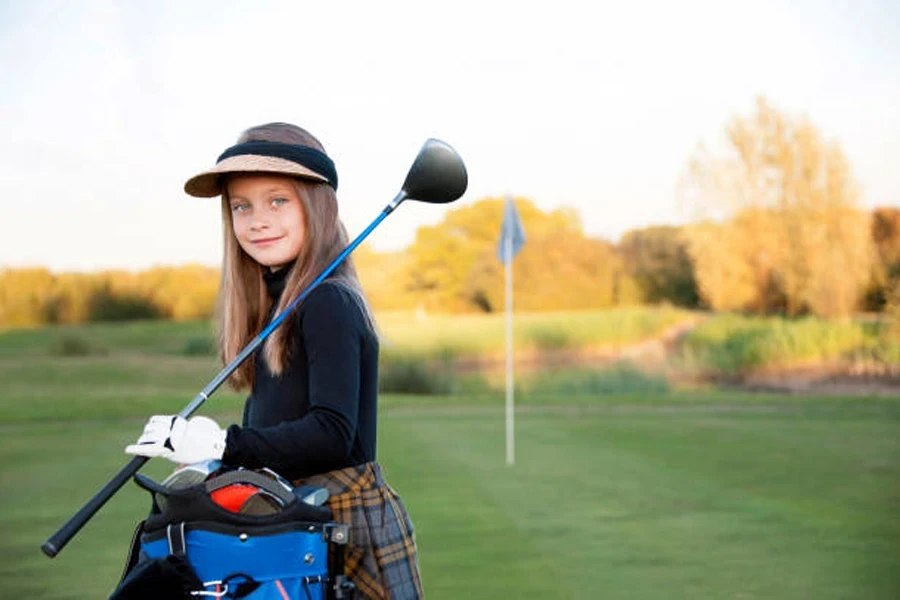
244, 302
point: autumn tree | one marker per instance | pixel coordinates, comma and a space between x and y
31, 297
782, 230
453, 265
23, 296
890, 318
381, 275
886, 237
658, 259
182, 293
886, 268
69, 300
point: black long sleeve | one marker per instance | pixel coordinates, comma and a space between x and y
321, 414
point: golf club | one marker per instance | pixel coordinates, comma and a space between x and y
437, 176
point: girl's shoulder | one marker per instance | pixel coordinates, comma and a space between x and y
330, 300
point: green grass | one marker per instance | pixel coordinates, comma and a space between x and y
480, 334
653, 505
145, 337
643, 493
616, 379
713, 499
732, 344
119, 384
401, 332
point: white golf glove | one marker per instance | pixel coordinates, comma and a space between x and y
180, 440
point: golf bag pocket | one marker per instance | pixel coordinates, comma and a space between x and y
258, 563
169, 577
260, 555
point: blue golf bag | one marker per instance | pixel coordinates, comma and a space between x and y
277, 549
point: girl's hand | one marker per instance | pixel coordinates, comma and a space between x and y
180, 440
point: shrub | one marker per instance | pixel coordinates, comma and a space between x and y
735, 344
546, 338
405, 374
71, 345
620, 378
199, 346
105, 305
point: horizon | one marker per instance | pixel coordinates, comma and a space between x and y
594, 108
365, 244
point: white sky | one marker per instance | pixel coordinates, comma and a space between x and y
107, 107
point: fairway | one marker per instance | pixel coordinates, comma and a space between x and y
612, 501
657, 495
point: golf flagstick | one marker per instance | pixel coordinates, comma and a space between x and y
437, 176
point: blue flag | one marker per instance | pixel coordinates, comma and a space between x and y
512, 231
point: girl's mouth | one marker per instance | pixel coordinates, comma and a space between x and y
265, 241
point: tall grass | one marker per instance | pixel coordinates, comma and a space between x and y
733, 343
621, 378
143, 337
434, 335
485, 334
437, 353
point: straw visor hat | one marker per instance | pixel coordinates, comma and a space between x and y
264, 157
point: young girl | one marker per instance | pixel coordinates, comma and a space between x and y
311, 413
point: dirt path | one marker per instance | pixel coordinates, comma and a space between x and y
651, 354
825, 381
658, 351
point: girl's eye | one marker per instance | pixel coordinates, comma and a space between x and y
240, 208
279, 201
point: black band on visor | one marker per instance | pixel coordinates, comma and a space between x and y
310, 158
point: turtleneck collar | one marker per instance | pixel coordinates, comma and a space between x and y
276, 280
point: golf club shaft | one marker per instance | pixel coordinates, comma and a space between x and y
58, 540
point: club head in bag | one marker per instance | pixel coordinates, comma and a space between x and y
191, 474
312, 494
437, 176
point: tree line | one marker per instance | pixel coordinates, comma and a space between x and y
37, 296
453, 267
777, 229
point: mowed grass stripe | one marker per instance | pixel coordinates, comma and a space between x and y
666, 507
638, 501
469, 542
49, 471
108, 387
777, 498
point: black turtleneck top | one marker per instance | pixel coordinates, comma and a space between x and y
321, 413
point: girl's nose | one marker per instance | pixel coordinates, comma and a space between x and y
258, 223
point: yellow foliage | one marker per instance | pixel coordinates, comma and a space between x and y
380, 274
182, 293
453, 266
23, 296
785, 232
724, 278
31, 297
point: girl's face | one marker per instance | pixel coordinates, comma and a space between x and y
267, 218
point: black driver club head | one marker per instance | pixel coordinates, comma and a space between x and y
437, 176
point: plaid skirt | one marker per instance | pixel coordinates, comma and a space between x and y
380, 556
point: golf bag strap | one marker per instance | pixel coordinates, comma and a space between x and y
175, 536
237, 585
342, 588
134, 551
